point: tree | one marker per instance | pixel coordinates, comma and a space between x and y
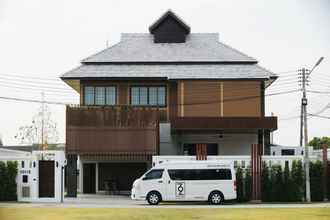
298, 182
317, 142
265, 183
43, 129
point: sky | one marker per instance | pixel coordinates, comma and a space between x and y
45, 38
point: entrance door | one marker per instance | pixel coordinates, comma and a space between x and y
89, 178
46, 178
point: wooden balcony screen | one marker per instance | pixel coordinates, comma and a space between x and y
112, 130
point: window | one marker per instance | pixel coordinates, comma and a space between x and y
100, 95
287, 152
89, 95
152, 95
200, 174
154, 174
22, 164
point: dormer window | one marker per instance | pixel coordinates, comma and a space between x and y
169, 28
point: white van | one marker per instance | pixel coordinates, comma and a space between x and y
187, 181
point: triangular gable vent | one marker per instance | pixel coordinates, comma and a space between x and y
169, 28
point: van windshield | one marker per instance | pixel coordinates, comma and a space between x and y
154, 174
200, 174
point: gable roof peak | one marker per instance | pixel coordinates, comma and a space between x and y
169, 13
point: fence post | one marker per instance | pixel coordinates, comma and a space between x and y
325, 171
256, 152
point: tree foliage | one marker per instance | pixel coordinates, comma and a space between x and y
317, 142
42, 123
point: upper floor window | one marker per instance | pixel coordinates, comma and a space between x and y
100, 95
148, 95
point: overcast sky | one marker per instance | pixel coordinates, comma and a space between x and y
45, 38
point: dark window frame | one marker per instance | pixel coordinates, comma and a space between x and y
105, 94
224, 174
148, 88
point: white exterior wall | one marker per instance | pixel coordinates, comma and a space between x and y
237, 144
168, 144
31, 169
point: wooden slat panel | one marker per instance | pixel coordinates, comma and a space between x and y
241, 98
202, 98
111, 130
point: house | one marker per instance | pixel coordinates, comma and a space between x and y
166, 92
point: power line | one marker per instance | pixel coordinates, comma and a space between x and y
33, 100
220, 101
31, 77
38, 89
319, 116
60, 83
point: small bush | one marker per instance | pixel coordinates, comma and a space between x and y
8, 187
316, 183
298, 182
265, 183
240, 185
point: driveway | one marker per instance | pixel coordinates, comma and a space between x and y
114, 201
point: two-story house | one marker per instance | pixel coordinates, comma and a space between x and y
166, 92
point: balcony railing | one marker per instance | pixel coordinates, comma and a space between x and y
112, 130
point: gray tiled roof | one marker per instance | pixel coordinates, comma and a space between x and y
199, 47
171, 71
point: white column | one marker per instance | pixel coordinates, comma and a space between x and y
97, 177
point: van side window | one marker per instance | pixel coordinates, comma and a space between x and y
154, 174
200, 174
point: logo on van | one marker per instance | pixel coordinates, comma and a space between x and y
179, 189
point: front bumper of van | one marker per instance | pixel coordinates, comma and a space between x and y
136, 196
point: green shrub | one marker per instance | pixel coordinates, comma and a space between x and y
316, 170
3, 174
239, 184
276, 193
298, 183
265, 183
287, 184
248, 185
12, 186
8, 187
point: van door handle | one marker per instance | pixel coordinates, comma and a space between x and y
169, 181
160, 181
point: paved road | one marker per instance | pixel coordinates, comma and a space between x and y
106, 201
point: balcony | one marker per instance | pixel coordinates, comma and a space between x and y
225, 123
115, 130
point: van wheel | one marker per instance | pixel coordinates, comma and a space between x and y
216, 198
153, 198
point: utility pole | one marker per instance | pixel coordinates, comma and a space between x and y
304, 83
303, 124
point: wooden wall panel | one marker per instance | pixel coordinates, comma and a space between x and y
111, 130
241, 98
123, 93
200, 98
